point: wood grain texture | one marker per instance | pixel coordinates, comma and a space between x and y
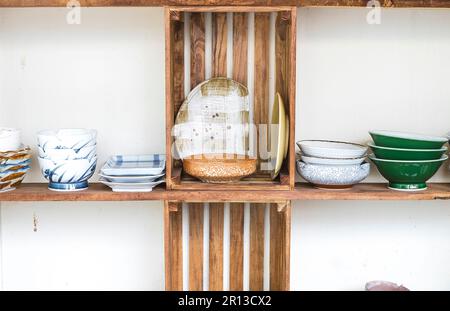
292, 89
240, 47
281, 56
197, 32
219, 46
257, 247
216, 211
174, 51
236, 246
30, 192
105, 3
173, 248
261, 83
196, 246
280, 245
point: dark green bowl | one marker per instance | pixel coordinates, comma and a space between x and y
406, 140
407, 175
407, 154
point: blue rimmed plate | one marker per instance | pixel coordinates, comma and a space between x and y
135, 165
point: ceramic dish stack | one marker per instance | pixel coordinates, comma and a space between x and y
139, 173
407, 160
332, 164
67, 157
15, 159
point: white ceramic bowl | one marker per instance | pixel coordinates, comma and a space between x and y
86, 153
332, 161
331, 149
333, 176
67, 138
9, 139
67, 174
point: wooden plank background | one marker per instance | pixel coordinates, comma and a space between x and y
100, 3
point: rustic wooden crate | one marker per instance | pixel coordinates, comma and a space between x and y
285, 49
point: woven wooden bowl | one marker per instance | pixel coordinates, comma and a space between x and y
219, 168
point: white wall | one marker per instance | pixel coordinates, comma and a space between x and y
108, 73
353, 77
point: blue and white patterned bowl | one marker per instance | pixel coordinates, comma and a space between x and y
66, 138
86, 153
67, 175
333, 176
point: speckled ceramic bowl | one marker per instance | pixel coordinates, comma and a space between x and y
219, 168
333, 176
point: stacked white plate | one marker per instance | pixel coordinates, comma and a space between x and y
135, 173
332, 164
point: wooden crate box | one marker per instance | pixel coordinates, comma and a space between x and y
186, 30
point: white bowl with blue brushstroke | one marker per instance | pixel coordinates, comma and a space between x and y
86, 153
75, 139
68, 175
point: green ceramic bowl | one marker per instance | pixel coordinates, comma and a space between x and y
407, 175
406, 140
407, 154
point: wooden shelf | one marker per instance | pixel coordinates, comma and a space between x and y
311, 3
99, 192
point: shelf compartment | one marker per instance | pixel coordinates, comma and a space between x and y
302, 191
149, 3
284, 75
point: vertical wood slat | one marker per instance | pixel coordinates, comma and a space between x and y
261, 69
219, 69
261, 116
220, 38
174, 79
280, 244
236, 246
285, 67
257, 247
216, 218
196, 246
173, 248
197, 32
240, 59
240, 47
292, 69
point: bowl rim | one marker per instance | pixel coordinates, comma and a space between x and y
441, 159
330, 158
95, 158
444, 148
329, 141
54, 132
409, 136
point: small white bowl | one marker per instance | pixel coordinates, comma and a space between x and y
332, 161
9, 139
67, 175
331, 149
87, 153
66, 138
333, 176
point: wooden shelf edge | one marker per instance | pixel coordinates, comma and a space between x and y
149, 3
99, 192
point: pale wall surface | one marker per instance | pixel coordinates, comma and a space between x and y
108, 73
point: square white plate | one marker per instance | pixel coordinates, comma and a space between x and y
139, 165
131, 187
131, 179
